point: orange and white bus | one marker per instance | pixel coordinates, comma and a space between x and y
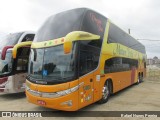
79, 57
13, 71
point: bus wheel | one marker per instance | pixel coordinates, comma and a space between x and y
105, 93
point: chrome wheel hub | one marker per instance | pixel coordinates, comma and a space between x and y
105, 92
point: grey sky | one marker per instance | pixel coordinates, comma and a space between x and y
141, 16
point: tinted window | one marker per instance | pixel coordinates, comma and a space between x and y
144, 64
119, 64
80, 19
86, 62
60, 25
93, 43
116, 35
94, 23
22, 59
28, 37
89, 58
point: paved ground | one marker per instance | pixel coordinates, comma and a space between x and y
142, 97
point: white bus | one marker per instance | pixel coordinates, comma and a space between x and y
13, 71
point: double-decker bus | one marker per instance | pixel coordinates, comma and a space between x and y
79, 57
13, 71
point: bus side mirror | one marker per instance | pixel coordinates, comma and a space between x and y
3, 55
67, 47
19, 45
75, 36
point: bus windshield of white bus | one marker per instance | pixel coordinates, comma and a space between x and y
6, 65
10, 39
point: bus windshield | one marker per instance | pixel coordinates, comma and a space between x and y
67, 22
10, 39
6, 65
52, 65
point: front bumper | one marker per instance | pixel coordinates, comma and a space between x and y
67, 103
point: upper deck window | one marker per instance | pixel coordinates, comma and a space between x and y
116, 35
61, 24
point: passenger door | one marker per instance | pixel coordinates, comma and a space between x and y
21, 67
86, 78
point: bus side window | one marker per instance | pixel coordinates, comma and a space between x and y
144, 64
108, 66
115, 65
119, 64
89, 56
86, 62
22, 64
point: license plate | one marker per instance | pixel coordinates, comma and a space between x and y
41, 102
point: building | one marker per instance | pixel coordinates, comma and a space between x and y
153, 61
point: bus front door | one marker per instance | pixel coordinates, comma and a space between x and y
86, 77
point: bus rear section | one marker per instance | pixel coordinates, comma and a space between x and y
69, 65
13, 71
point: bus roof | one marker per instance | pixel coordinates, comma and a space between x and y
80, 19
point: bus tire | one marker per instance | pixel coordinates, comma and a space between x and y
105, 92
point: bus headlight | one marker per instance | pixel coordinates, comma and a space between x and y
68, 91
54, 94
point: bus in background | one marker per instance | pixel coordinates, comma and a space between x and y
79, 57
13, 71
